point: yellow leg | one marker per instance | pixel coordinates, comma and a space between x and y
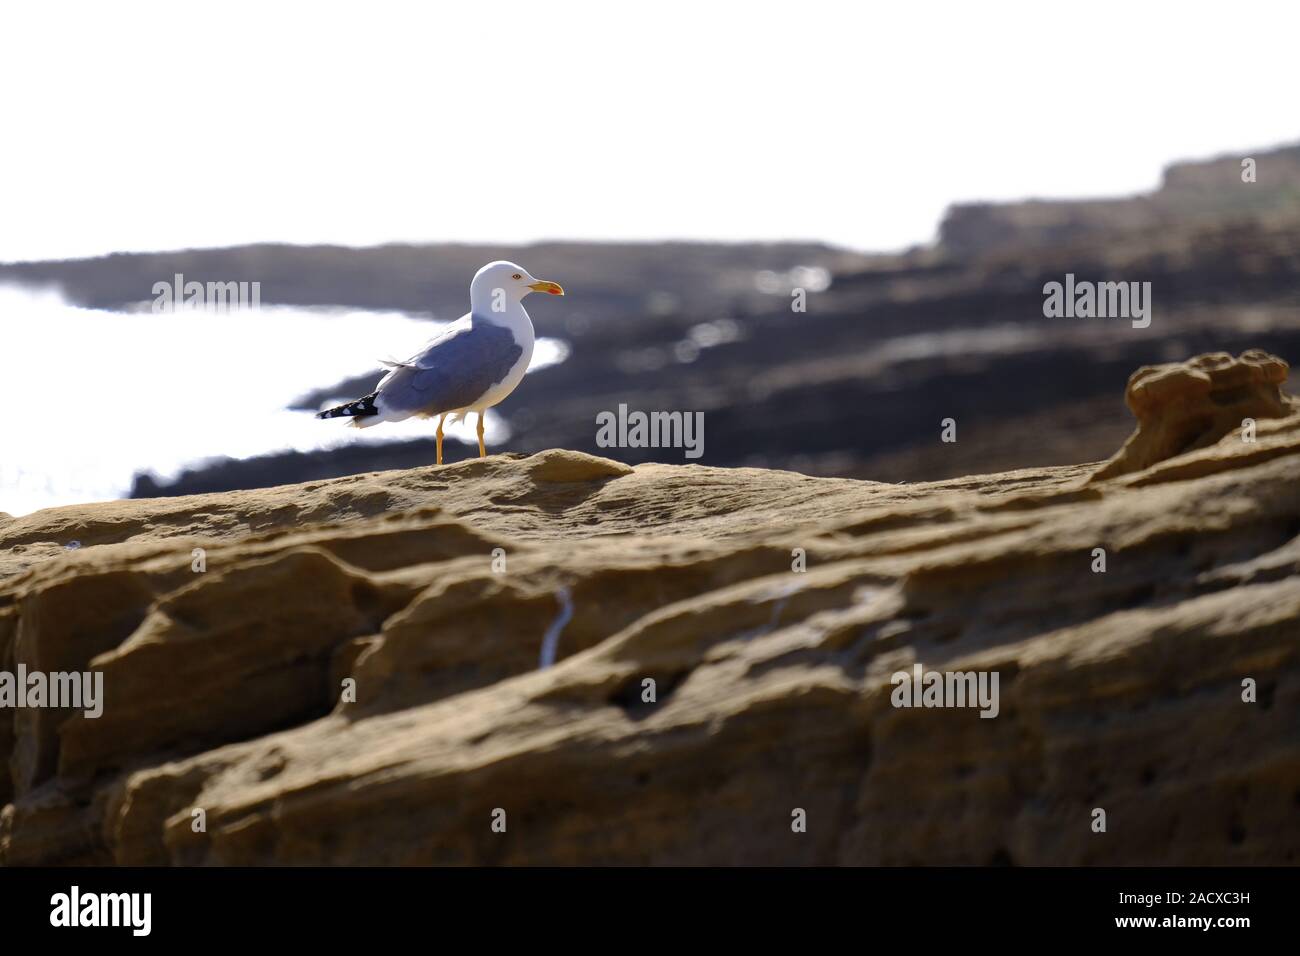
440, 421
482, 450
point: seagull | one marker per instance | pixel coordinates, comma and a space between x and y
470, 367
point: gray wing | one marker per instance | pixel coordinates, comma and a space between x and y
454, 371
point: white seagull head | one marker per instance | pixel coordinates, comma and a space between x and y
503, 282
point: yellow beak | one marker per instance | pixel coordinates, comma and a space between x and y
552, 287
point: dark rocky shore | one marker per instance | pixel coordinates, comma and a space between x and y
858, 384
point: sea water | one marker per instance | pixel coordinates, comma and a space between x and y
91, 397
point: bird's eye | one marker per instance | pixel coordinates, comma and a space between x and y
516, 276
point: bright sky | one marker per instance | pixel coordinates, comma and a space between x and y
141, 126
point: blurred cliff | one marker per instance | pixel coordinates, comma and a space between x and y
856, 385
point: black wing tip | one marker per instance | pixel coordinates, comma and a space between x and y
361, 408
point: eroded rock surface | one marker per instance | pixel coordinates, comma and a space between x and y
1183, 406
436, 589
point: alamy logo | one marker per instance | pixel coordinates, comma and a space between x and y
209, 297
946, 689
75, 691
1099, 300
653, 430
103, 909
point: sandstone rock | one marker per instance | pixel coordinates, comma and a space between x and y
1183, 406
436, 590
